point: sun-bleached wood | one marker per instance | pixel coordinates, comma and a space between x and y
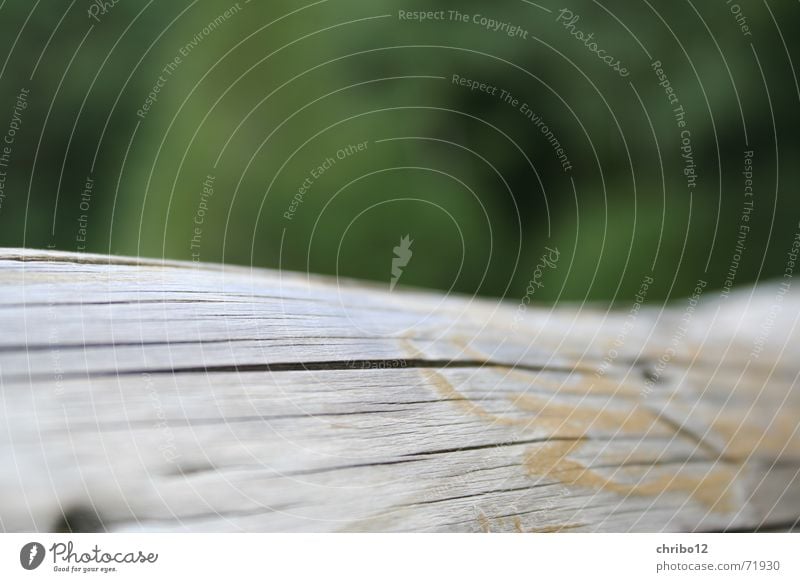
167, 396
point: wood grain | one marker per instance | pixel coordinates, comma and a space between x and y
166, 396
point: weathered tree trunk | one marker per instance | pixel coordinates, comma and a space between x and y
172, 396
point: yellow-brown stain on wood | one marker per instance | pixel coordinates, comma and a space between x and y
412, 353
580, 385
483, 521
779, 439
557, 415
573, 421
448, 392
465, 345
712, 489
561, 420
555, 528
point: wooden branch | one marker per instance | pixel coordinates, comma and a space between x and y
170, 396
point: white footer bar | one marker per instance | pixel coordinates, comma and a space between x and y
381, 557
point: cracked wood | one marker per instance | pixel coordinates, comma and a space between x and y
166, 396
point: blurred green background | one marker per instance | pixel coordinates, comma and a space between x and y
264, 93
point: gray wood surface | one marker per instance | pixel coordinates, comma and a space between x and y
166, 396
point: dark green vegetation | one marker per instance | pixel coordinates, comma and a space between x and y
242, 132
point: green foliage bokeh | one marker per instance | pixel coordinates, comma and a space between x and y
279, 87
